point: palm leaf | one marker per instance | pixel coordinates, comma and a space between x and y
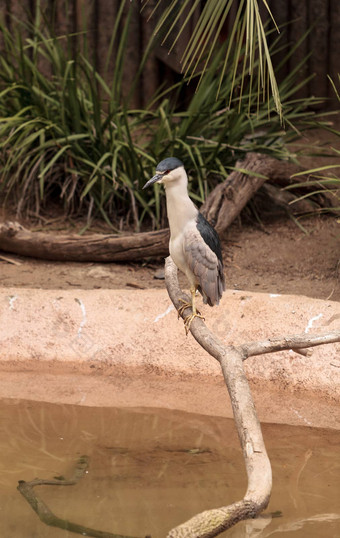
206, 31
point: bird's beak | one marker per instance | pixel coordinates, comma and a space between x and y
153, 180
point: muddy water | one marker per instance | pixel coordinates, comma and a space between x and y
152, 469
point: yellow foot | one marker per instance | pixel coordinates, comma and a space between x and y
188, 320
185, 305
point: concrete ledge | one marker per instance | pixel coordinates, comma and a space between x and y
127, 348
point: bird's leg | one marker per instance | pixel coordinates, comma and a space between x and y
195, 313
187, 304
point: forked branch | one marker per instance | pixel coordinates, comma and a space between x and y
212, 522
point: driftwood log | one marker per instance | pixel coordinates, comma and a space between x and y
212, 522
90, 248
222, 206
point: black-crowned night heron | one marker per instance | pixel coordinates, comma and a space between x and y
194, 244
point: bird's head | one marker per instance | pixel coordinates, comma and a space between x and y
168, 170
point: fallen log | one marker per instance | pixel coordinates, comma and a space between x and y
222, 206
90, 248
227, 200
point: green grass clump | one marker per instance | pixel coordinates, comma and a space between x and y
68, 135
323, 179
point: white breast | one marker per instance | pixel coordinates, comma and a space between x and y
176, 248
182, 215
177, 251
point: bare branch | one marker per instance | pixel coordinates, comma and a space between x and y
296, 342
212, 522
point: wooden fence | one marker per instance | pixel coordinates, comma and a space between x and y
322, 43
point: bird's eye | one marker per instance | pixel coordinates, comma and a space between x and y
167, 171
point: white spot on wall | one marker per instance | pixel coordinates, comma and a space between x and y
84, 320
301, 417
12, 300
311, 321
160, 316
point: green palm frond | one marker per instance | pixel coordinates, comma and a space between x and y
247, 26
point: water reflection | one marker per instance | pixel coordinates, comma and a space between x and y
152, 469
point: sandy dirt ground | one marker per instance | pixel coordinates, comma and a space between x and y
279, 258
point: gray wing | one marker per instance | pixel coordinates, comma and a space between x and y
206, 267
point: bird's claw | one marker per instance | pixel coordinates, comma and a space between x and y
188, 320
185, 305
